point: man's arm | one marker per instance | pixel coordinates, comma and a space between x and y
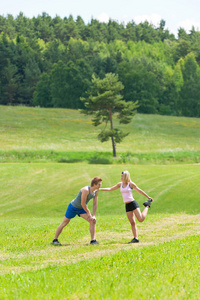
84, 195
95, 207
95, 199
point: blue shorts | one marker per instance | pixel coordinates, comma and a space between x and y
73, 211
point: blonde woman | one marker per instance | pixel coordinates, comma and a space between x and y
132, 207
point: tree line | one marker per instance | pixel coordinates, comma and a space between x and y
49, 62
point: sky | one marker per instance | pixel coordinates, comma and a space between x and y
176, 13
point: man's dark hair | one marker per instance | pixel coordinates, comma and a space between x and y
95, 180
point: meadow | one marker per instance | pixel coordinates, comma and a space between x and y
36, 189
61, 135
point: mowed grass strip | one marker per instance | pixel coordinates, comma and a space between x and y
163, 271
28, 246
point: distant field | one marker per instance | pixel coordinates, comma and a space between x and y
23, 128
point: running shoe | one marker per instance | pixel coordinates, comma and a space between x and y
133, 241
56, 242
94, 242
147, 203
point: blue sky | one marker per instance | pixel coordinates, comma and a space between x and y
176, 13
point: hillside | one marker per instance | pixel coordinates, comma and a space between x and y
48, 134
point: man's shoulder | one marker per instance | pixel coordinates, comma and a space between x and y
85, 189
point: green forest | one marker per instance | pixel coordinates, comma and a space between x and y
49, 62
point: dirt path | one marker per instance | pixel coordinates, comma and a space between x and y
164, 230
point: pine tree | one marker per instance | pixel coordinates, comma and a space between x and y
104, 101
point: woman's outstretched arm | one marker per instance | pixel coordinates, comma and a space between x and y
135, 187
115, 187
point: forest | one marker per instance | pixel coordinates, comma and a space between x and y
49, 62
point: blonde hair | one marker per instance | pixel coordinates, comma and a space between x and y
126, 177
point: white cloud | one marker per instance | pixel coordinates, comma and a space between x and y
153, 19
188, 23
125, 19
103, 17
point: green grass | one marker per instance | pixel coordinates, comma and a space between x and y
159, 152
45, 189
171, 157
33, 200
162, 266
38, 134
155, 272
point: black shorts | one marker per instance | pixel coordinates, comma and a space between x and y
131, 206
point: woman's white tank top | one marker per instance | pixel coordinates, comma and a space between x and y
126, 193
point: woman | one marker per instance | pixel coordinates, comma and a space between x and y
132, 207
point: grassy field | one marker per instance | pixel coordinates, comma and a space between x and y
34, 197
164, 264
38, 134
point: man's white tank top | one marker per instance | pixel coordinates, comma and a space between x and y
126, 193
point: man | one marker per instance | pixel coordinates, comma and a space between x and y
78, 206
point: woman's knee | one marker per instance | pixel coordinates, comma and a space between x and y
141, 219
133, 223
139, 216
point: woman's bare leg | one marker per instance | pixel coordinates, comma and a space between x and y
131, 217
141, 216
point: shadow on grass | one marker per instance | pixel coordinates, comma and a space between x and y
58, 246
